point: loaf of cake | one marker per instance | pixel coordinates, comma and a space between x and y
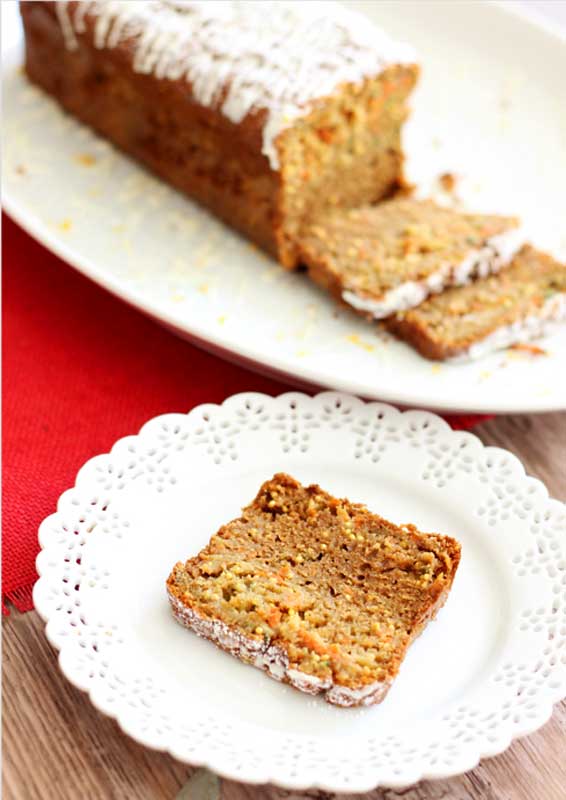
316, 591
264, 112
390, 257
524, 301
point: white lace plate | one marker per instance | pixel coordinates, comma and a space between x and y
161, 253
487, 670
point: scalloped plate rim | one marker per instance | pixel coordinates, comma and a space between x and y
471, 754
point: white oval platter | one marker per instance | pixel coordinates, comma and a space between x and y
491, 108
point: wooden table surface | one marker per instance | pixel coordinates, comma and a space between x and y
55, 745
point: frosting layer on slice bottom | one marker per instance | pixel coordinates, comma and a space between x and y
497, 253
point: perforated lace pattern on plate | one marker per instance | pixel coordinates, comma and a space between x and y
514, 699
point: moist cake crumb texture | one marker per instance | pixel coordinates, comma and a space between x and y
388, 257
318, 591
522, 302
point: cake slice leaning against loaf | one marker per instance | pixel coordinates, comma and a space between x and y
316, 591
390, 257
525, 301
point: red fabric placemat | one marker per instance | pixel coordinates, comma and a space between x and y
80, 370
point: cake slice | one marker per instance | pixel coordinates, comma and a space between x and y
316, 591
390, 257
527, 300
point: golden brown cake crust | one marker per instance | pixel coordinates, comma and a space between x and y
315, 590
190, 146
217, 162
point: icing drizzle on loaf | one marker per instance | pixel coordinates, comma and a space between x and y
242, 57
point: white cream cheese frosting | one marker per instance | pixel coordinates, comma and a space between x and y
243, 56
497, 252
524, 330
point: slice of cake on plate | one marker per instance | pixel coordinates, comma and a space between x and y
317, 591
266, 113
523, 302
390, 257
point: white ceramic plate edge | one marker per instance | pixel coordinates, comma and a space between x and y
544, 709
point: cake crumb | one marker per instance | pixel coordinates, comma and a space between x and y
355, 339
529, 349
447, 182
85, 160
405, 188
21, 170
65, 225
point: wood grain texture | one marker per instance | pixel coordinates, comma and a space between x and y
55, 744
